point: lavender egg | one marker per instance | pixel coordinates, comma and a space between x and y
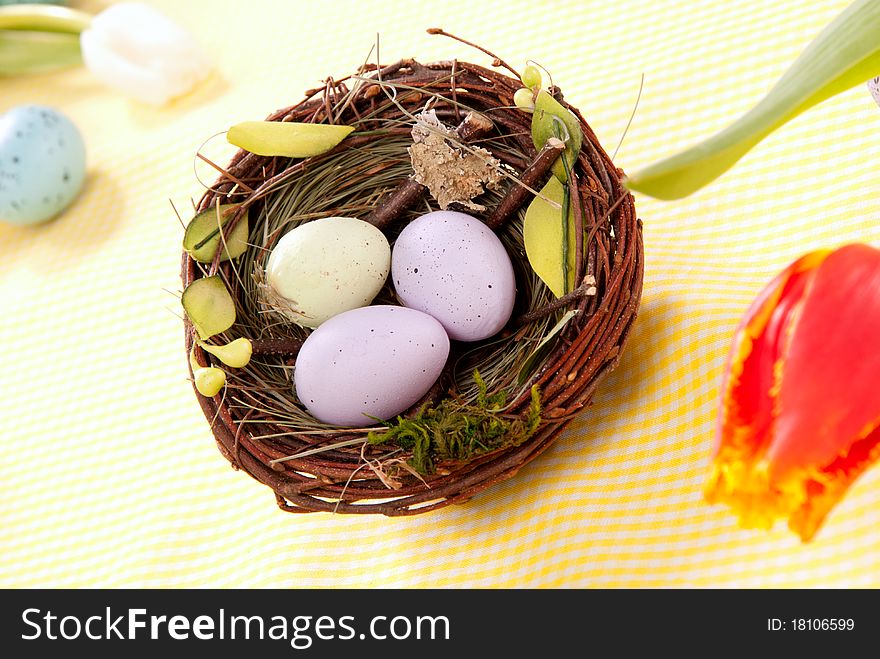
454, 268
369, 362
42, 164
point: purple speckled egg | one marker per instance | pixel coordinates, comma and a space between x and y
369, 362
874, 87
454, 268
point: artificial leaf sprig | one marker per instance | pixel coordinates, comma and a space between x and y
203, 237
846, 53
236, 353
286, 138
209, 306
549, 120
211, 310
547, 237
209, 380
550, 224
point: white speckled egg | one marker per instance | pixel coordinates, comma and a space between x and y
369, 362
328, 266
42, 164
451, 266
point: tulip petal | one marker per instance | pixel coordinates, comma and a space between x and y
746, 417
134, 48
800, 409
115, 71
829, 390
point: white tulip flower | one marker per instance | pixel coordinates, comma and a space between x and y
141, 52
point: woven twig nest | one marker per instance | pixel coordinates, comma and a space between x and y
259, 424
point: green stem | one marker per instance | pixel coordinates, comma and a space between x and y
566, 211
844, 54
24, 52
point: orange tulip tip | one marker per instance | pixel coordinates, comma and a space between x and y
800, 409
804, 500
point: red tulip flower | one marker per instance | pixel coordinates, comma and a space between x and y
800, 405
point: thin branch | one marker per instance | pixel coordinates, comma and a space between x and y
496, 61
631, 117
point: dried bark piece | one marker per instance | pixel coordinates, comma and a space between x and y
451, 174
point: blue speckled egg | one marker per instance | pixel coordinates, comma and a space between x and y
42, 164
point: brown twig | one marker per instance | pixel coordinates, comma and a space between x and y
406, 195
226, 173
474, 126
287, 346
496, 61
529, 180
587, 288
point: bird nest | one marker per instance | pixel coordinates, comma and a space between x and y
499, 402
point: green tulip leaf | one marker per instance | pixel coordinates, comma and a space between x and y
202, 238
209, 306
845, 54
550, 119
43, 18
543, 348
23, 51
546, 240
286, 138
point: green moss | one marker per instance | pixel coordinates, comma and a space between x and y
456, 430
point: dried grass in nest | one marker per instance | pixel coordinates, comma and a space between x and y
260, 426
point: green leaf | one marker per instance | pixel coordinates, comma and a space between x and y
23, 51
202, 237
209, 306
286, 138
844, 54
544, 347
38, 18
550, 119
547, 243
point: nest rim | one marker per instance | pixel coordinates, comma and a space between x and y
336, 480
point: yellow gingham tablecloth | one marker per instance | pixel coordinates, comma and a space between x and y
109, 475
